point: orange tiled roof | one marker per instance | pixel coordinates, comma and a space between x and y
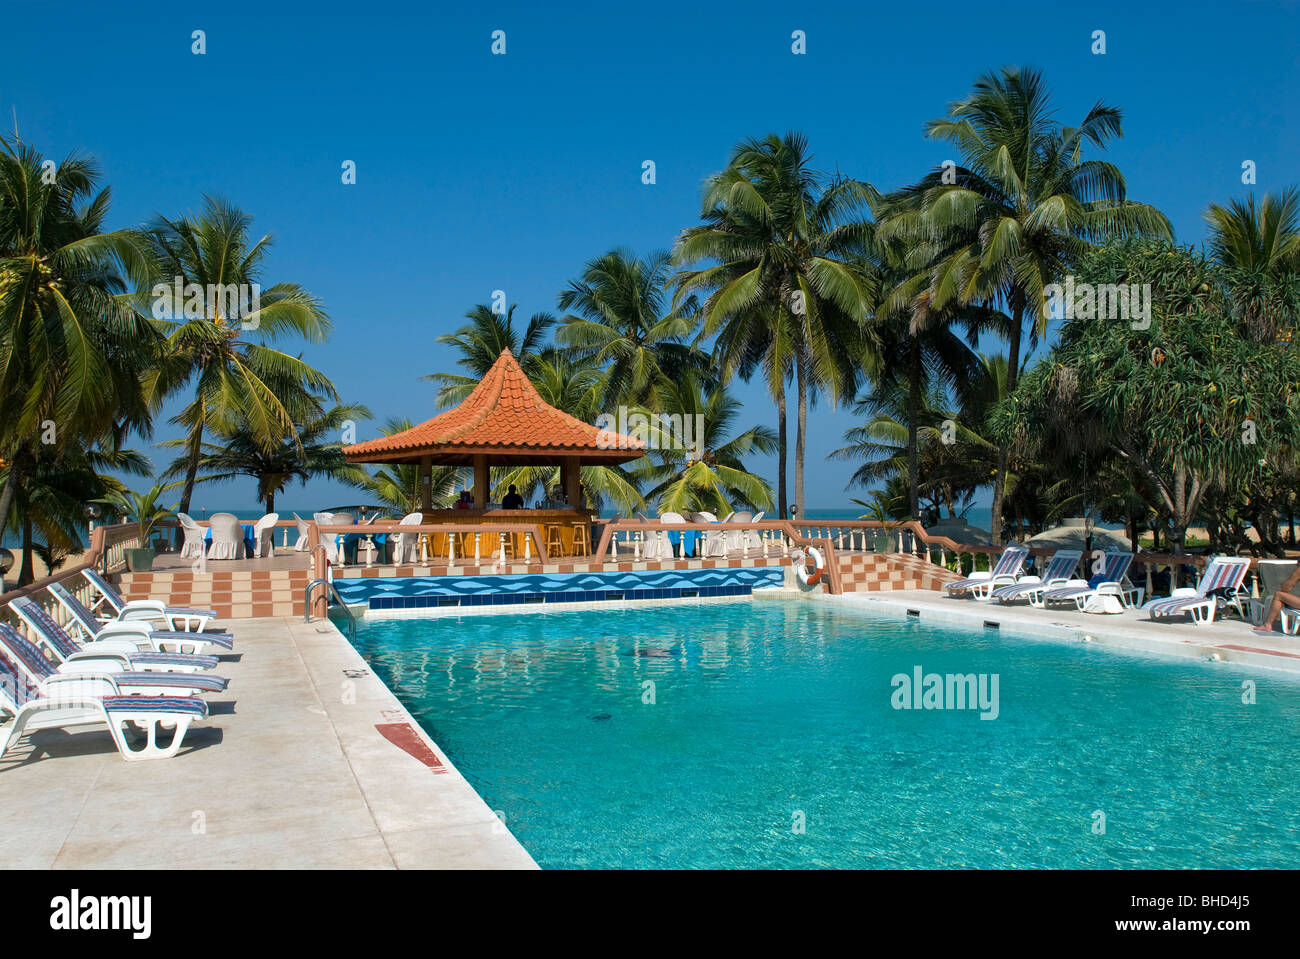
503, 415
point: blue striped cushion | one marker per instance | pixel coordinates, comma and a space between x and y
105, 588
54, 634
185, 680
14, 684
155, 704
26, 652
174, 659
224, 640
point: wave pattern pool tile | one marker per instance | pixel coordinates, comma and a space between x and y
413, 592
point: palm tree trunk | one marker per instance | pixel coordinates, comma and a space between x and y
913, 410
782, 442
11, 488
192, 467
801, 434
27, 574
1013, 367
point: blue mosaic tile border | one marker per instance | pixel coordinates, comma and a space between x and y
419, 592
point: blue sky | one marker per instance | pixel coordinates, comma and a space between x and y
478, 172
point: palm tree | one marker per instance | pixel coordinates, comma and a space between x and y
1259, 248
481, 341
782, 294
311, 450
238, 383
1266, 237
711, 477
398, 484
71, 346
624, 323
1020, 209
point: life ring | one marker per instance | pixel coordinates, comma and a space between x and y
801, 572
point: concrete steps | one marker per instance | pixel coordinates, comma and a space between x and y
236, 594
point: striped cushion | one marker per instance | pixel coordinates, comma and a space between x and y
186, 680
77, 608
224, 640
1067, 592
15, 688
174, 659
155, 704
178, 611
27, 653
105, 588
54, 634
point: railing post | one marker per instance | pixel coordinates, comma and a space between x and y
528, 544
636, 546
451, 550
476, 548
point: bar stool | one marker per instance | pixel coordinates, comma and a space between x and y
581, 539
554, 541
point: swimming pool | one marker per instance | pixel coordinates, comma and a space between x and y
764, 733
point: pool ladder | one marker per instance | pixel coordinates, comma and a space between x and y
331, 592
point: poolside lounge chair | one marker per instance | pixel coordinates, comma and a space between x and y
65, 649
1220, 584
27, 656
147, 610
1059, 569
227, 537
1089, 595
91, 630
73, 700
264, 535
195, 534
982, 582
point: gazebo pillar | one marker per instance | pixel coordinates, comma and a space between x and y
571, 476
426, 482
480, 481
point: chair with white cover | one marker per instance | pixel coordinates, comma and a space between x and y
753, 538
227, 537
715, 544
264, 535
737, 538
656, 543
301, 545
672, 519
406, 545
330, 542
195, 534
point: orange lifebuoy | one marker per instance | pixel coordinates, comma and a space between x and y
801, 571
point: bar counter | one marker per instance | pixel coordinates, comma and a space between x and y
563, 519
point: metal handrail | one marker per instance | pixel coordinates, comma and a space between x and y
332, 590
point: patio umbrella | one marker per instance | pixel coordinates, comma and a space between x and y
960, 531
1073, 534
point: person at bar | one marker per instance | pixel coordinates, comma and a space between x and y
512, 499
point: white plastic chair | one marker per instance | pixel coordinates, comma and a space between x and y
195, 534
227, 537
301, 545
264, 535
405, 545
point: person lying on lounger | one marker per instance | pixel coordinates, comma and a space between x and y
1281, 598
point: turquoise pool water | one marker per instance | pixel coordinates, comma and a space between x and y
768, 715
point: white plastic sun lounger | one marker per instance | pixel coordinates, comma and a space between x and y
162, 640
75, 700
65, 649
1059, 569
39, 670
149, 610
981, 583
1220, 583
1089, 595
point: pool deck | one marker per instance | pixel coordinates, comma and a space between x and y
306, 761
1230, 640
